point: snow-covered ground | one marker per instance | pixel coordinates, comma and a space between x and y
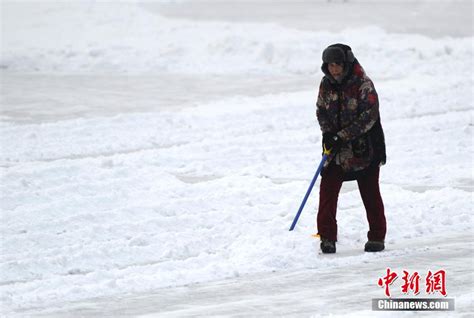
141, 153
337, 290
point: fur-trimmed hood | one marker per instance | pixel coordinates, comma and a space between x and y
349, 62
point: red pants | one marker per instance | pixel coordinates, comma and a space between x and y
331, 183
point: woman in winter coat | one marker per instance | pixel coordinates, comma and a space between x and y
348, 114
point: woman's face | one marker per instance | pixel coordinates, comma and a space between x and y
335, 70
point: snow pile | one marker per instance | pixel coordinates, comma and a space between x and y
105, 37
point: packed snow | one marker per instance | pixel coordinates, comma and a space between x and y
147, 196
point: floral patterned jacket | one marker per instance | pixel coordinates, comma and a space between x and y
350, 109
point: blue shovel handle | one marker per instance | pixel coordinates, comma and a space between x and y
321, 164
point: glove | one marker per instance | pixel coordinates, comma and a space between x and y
332, 142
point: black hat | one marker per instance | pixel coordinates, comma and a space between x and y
334, 54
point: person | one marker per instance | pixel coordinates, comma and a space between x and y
347, 110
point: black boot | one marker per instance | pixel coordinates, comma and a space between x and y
374, 246
327, 246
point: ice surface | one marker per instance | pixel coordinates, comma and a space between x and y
140, 154
434, 18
